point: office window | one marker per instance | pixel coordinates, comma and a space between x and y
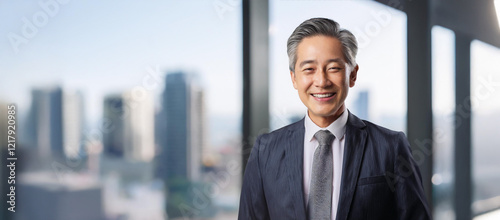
380, 91
485, 100
135, 107
443, 110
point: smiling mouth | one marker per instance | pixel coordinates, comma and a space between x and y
324, 95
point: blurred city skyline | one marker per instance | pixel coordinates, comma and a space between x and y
85, 47
137, 147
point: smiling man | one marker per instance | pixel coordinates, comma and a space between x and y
330, 164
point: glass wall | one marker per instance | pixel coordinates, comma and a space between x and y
125, 111
485, 100
380, 91
443, 110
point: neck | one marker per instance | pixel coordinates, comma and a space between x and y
323, 122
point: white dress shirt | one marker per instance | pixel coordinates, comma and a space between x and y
310, 144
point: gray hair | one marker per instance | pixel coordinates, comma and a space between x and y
326, 27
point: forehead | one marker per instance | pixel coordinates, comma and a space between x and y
319, 47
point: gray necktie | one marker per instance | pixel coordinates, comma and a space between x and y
320, 194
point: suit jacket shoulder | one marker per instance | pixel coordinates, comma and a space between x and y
372, 127
272, 146
283, 131
385, 140
281, 135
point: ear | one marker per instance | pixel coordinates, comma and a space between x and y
292, 75
353, 76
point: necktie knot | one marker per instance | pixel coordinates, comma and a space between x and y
324, 137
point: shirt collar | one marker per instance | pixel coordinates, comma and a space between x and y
337, 127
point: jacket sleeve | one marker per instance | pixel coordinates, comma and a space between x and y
252, 200
410, 196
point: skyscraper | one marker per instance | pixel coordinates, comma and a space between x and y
113, 137
184, 136
179, 162
55, 122
139, 126
73, 123
131, 133
361, 105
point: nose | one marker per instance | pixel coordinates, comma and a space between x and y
321, 79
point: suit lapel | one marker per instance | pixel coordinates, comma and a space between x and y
354, 149
294, 163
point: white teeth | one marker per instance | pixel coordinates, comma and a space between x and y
322, 95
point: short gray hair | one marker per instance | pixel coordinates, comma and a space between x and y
325, 27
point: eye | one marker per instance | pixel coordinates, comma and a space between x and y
310, 69
334, 69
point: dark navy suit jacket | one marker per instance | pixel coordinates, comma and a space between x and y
380, 179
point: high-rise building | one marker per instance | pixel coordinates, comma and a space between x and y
73, 124
131, 119
55, 122
184, 137
179, 162
112, 138
361, 105
197, 128
139, 126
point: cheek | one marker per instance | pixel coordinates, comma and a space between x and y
339, 80
304, 83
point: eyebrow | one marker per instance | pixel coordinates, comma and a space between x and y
336, 60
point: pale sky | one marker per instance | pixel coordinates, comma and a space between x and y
103, 47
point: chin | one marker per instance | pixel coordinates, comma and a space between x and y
324, 113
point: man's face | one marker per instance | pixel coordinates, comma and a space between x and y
322, 78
